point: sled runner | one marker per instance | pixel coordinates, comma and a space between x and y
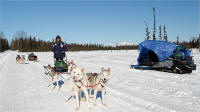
141, 67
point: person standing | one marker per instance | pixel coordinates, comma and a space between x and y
59, 48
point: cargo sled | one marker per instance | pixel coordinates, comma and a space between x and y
164, 56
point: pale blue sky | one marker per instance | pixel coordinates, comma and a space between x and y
98, 21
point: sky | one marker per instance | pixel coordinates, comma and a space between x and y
99, 21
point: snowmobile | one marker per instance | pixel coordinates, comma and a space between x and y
164, 56
32, 57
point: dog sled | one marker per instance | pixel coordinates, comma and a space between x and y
164, 56
61, 66
32, 57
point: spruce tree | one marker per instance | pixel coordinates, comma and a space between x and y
160, 33
165, 33
177, 39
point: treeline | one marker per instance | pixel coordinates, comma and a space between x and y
3, 44
24, 43
193, 43
31, 44
91, 47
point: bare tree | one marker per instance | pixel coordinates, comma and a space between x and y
1, 34
20, 34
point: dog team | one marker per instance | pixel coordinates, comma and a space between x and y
21, 59
81, 84
79, 81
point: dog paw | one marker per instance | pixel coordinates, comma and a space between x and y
95, 104
104, 104
66, 100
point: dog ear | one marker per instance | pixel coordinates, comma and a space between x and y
108, 70
44, 66
82, 70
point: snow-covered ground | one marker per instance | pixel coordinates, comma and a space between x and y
22, 87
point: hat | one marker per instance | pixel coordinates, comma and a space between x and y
58, 37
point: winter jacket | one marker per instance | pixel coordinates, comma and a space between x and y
59, 49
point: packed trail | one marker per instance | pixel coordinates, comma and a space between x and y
23, 86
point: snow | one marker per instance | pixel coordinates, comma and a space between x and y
22, 87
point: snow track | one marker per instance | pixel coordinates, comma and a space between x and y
22, 87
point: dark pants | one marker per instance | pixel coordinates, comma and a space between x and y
58, 59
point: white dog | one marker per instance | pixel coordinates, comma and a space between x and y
70, 65
98, 83
78, 83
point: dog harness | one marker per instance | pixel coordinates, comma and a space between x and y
92, 85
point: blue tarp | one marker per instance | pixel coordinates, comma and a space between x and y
162, 49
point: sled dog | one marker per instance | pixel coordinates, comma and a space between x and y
52, 74
78, 84
98, 82
20, 59
70, 65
